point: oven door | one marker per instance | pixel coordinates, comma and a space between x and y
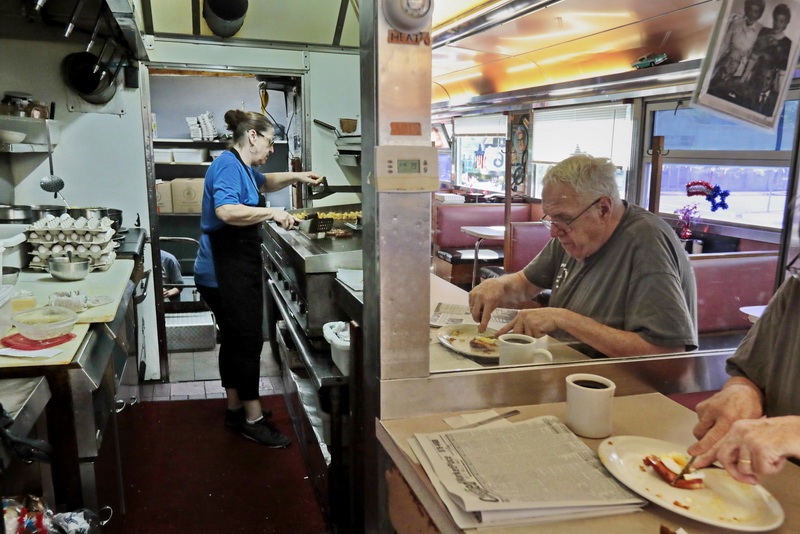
326, 390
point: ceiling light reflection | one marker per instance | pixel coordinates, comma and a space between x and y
462, 77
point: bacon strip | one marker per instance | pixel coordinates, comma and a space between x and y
668, 476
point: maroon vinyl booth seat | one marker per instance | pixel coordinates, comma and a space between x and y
726, 281
527, 240
453, 250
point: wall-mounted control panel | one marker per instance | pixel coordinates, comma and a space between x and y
406, 168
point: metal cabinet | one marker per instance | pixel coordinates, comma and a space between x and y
25, 400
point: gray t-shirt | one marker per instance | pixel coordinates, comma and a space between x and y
769, 355
639, 281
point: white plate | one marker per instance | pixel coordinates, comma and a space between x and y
723, 502
458, 336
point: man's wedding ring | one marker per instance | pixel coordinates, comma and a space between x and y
744, 461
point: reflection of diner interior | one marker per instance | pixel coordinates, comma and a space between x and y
731, 234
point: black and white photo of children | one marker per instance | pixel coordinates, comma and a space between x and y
748, 66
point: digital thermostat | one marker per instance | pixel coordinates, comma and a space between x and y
406, 168
409, 16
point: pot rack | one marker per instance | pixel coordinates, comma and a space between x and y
90, 21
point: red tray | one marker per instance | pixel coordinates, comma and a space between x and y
18, 341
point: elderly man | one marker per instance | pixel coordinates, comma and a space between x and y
621, 283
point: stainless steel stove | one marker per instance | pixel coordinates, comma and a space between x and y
303, 269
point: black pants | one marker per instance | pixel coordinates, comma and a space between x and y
239, 351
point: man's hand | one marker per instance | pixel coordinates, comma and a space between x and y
484, 299
536, 322
738, 399
755, 447
508, 291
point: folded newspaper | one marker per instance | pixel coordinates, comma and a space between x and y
445, 314
529, 472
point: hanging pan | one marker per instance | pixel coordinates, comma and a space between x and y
224, 17
78, 72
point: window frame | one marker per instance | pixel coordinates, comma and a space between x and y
749, 158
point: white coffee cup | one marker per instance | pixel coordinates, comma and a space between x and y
589, 403
518, 349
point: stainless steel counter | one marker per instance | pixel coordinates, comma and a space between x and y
633, 416
84, 403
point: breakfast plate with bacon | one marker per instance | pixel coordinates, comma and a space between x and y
465, 339
648, 466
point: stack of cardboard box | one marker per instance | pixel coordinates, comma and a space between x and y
180, 195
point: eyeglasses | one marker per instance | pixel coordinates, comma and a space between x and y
270, 141
793, 269
564, 226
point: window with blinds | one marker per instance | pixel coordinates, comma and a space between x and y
600, 130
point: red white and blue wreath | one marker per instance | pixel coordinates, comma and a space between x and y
714, 194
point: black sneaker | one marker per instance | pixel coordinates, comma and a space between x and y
265, 433
235, 418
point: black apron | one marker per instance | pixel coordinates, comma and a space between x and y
237, 261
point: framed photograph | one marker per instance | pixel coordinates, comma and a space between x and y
750, 60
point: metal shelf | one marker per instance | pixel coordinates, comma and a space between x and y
206, 163
192, 142
35, 131
22, 148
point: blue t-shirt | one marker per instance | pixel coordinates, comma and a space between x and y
227, 182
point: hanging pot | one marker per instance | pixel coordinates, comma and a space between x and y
224, 17
77, 71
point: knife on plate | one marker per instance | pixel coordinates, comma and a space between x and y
684, 470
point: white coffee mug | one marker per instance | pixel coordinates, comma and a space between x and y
589, 403
517, 349
542, 356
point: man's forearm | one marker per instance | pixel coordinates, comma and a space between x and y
610, 341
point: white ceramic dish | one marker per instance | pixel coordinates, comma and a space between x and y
458, 336
10, 136
723, 502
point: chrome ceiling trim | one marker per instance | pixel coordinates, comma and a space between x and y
500, 13
664, 79
252, 43
200, 68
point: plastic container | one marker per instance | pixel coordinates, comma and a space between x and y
6, 292
189, 155
22, 300
44, 322
162, 155
340, 348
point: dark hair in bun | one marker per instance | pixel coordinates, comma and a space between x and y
240, 122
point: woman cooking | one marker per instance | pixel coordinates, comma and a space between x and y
227, 270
